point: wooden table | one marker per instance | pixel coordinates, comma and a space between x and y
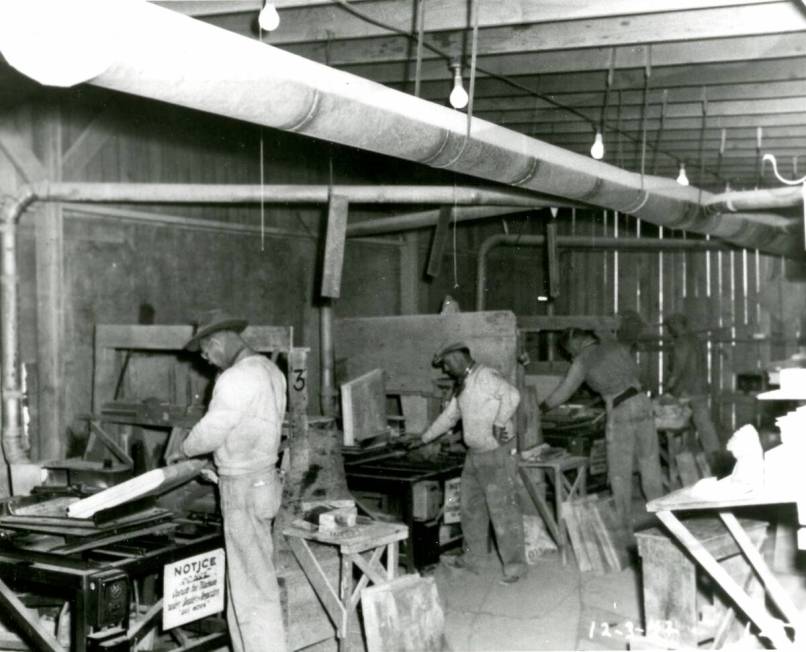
565, 488
671, 609
690, 499
361, 547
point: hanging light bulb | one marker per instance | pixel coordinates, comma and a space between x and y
682, 179
458, 97
597, 149
268, 18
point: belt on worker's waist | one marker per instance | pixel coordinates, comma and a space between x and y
627, 393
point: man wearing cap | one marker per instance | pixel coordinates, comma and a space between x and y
242, 430
609, 370
688, 379
485, 403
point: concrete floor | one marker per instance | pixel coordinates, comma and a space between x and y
554, 608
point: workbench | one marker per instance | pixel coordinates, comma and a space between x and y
361, 547
692, 498
391, 482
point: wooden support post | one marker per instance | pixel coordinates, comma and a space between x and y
438, 241
553, 260
338, 208
21, 616
50, 304
409, 275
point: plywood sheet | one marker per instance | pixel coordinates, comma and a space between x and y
403, 346
404, 614
363, 407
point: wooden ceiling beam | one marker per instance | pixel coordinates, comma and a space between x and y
632, 126
317, 21
629, 63
723, 22
679, 110
688, 94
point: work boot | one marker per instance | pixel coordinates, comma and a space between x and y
461, 562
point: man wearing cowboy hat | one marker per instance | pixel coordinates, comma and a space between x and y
242, 430
688, 379
485, 403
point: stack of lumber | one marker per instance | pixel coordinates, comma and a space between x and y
598, 535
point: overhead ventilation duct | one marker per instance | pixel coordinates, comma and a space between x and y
136, 47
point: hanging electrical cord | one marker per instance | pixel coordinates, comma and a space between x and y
759, 159
789, 182
659, 133
721, 155
261, 172
644, 106
474, 47
701, 149
420, 30
619, 141
346, 6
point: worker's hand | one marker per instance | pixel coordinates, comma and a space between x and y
208, 474
176, 456
500, 434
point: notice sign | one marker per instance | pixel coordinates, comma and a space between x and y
193, 588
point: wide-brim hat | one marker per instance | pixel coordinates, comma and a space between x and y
212, 322
791, 386
439, 356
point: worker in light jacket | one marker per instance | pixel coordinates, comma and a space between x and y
485, 402
609, 370
242, 430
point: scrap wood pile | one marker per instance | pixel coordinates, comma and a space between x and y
598, 536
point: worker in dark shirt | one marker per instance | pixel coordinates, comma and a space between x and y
688, 379
609, 370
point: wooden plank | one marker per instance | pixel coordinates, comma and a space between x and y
50, 302
580, 508
111, 444
403, 346
174, 337
338, 209
89, 142
687, 468
404, 614
771, 18
312, 21
30, 167
440, 237
318, 579
572, 526
27, 621
363, 407
735, 60
771, 627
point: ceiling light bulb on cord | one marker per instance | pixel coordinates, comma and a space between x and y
458, 97
268, 18
597, 149
682, 179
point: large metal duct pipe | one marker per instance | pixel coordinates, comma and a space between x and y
581, 242
756, 200
423, 219
139, 48
168, 193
